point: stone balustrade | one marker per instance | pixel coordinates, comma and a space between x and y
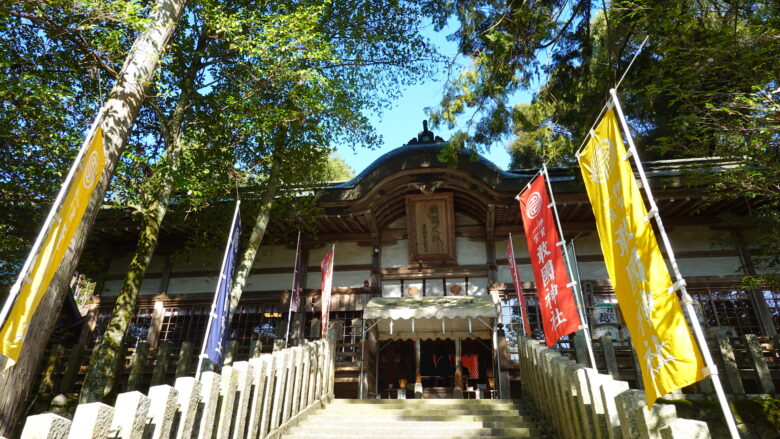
259, 398
579, 402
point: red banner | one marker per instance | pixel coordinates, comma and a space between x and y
510, 256
556, 299
327, 286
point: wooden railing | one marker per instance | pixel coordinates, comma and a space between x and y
259, 398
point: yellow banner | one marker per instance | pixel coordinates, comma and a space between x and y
665, 348
47, 261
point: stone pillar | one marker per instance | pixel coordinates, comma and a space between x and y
204, 426
608, 348
254, 408
609, 391
280, 368
185, 357
46, 426
291, 360
255, 348
686, 429
162, 409
267, 382
627, 402
585, 403
161, 367
91, 421
188, 396
651, 421
244, 389
130, 413
227, 394
231, 353
581, 349
298, 377
730, 373
137, 366
763, 377
418, 387
458, 391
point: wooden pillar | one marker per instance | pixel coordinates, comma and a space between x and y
155, 326
490, 243
418, 387
376, 251
158, 314
458, 391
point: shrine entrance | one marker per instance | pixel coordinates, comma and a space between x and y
397, 371
433, 347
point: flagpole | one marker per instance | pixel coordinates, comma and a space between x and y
679, 284
583, 316
292, 290
17, 286
523, 317
202, 355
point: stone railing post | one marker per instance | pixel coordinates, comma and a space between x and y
189, 396
260, 398
91, 421
227, 394
729, 362
243, 389
258, 369
162, 411
130, 413
268, 377
46, 426
204, 426
280, 369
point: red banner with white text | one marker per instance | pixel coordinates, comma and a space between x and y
556, 299
510, 256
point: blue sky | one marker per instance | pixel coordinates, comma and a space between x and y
404, 120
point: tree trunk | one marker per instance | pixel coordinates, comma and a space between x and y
97, 382
101, 365
258, 231
120, 111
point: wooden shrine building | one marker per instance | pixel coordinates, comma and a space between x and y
421, 270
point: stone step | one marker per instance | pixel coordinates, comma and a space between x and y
337, 402
428, 411
405, 436
331, 419
432, 431
384, 422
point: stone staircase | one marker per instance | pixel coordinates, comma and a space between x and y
416, 418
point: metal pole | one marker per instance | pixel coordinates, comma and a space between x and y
362, 358
17, 286
497, 356
516, 281
583, 316
711, 369
292, 290
202, 355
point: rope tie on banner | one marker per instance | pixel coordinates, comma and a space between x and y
677, 286
651, 214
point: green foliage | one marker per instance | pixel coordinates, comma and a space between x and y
58, 60
706, 84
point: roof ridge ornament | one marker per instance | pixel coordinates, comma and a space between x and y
425, 136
